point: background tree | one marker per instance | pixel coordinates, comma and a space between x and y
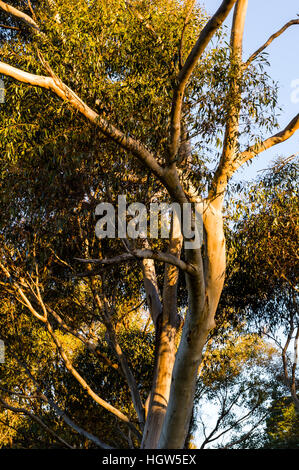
263, 278
260, 301
234, 388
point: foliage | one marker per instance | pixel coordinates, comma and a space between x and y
262, 248
282, 430
71, 337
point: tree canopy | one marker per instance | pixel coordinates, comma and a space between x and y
105, 338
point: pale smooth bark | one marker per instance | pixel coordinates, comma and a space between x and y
204, 290
151, 289
205, 287
168, 324
260, 147
294, 367
291, 382
10, 10
230, 142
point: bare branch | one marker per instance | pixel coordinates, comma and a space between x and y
35, 418
9, 27
20, 15
245, 436
284, 353
223, 413
271, 38
143, 254
260, 147
243, 418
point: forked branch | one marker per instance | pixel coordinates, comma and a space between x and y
204, 38
143, 254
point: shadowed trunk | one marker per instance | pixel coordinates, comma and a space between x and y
166, 331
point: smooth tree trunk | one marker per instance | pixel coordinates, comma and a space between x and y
167, 328
204, 290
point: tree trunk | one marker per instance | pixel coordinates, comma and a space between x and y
165, 356
166, 332
204, 290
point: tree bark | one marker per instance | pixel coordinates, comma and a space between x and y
166, 332
204, 290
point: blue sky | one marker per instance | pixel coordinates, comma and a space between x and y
265, 17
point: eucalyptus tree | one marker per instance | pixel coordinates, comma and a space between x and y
143, 80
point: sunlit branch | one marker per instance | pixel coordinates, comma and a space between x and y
35, 418
232, 122
10, 10
270, 40
14, 28
260, 147
54, 84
